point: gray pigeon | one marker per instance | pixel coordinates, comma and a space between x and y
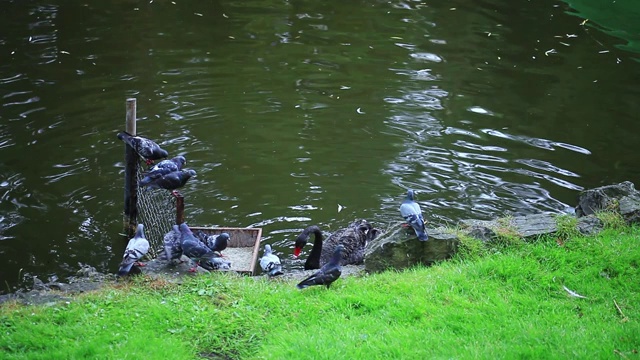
195, 249
214, 242
137, 247
172, 244
412, 214
146, 148
327, 274
216, 263
218, 242
270, 262
164, 167
171, 181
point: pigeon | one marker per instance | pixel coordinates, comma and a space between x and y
327, 274
214, 242
171, 181
270, 262
164, 167
216, 263
146, 148
135, 250
195, 249
172, 244
218, 242
410, 211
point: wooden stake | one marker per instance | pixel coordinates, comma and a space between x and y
179, 209
130, 174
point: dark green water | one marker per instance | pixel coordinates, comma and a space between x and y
287, 109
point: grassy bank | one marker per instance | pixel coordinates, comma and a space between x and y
511, 303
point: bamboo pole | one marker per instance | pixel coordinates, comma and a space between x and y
130, 173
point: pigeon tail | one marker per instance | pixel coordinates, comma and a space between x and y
276, 270
125, 266
302, 285
422, 236
417, 223
123, 135
145, 181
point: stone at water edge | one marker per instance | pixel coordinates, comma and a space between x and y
398, 248
622, 197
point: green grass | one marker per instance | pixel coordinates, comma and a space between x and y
507, 305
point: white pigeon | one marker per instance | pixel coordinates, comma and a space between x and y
137, 247
270, 262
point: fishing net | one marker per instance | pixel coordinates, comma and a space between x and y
157, 211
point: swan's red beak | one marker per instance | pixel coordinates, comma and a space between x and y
296, 251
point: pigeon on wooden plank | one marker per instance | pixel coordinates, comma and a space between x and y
327, 274
270, 262
137, 247
217, 242
194, 248
147, 149
412, 214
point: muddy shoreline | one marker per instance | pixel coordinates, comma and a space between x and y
87, 279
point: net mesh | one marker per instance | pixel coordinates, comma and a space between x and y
157, 211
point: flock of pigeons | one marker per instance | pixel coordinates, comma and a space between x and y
167, 174
345, 246
205, 250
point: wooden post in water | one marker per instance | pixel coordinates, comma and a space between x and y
179, 209
131, 174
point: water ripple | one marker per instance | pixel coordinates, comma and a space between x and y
424, 56
13, 78
537, 142
78, 166
544, 165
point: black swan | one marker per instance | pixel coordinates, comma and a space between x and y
354, 238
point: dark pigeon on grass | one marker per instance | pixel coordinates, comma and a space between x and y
164, 167
137, 247
327, 274
412, 214
195, 249
172, 244
147, 149
270, 262
171, 181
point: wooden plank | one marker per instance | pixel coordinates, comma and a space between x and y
241, 238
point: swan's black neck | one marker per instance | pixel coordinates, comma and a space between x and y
313, 261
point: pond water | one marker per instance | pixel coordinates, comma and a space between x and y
296, 113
